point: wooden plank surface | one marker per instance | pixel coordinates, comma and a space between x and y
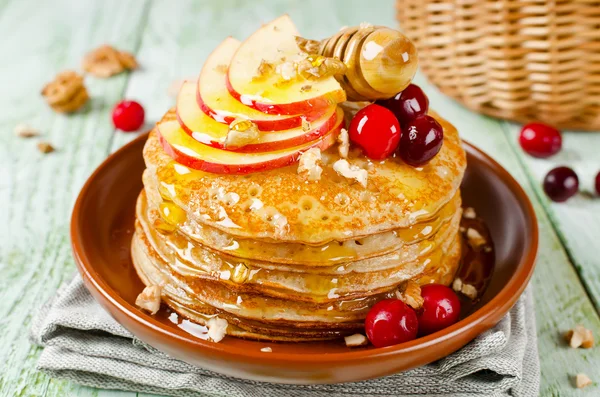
173, 40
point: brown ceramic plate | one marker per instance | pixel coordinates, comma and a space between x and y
101, 229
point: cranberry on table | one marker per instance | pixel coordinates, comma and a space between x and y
561, 183
408, 104
421, 140
376, 130
441, 308
390, 322
540, 140
128, 116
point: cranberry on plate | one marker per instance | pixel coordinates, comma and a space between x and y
408, 104
561, 183
390, 322
128, 116
421, 141
441, 308
376, 130
540, 140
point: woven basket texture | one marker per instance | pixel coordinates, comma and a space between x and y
521, 60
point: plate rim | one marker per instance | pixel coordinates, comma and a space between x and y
502, 302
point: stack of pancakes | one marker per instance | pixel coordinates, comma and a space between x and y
284, 259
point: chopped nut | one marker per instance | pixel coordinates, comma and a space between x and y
221, 68
365, 25
45, 147
305, 124
266, 350
66, 93
351, 171
580, 337
308, 46
149, 299
23, 130
344, 141
106, 61
356, 340
217, 328
265, 68
469, 213
306, 88
411, 295
308, 164
474, 238
467, 290
582, 380
287, 70
317, 66
241, 133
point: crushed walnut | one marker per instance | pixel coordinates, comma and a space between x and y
23, 130
317, 66
469, 213
306, 88
241, 133
365, 25
287, 70
580, 337
411, 295
149, 299
266, 350
344, 141
217, 328
106, 61
467, 290
582, 380
351, 171
309, 164
356, 340
66, 93
264, 69
45, 147
308, 46
305, 124
475, 239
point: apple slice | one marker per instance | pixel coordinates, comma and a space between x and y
208, 131
215, 100
189, 152
275, 43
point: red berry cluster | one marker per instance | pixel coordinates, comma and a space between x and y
392, 321
543, 141
398, 125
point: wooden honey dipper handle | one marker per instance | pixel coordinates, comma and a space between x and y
380, 61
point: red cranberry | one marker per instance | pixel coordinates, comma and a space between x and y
376, 130
390, 322
128, 116
561, 184
598, 184
441, 308
421, 141
540, 140
408, 104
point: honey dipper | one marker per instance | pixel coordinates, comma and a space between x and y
380, 62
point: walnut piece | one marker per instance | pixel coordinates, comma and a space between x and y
351, 171
241, 133
356, 340
580, 337
264, 69
23, 130
467, 290
306, 88
217, 328
305, 124
66, 93
365, 25
308, 46
582, 380
317, 66
411, 295
309, 164
106, 61
149, 299
475, 239
344, 141
469, 213
287, 70
45, 147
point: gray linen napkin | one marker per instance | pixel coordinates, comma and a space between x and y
84, 344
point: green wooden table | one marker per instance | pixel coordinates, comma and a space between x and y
171, 39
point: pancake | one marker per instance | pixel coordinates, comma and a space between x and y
278, 205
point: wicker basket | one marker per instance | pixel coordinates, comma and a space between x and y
520, 60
